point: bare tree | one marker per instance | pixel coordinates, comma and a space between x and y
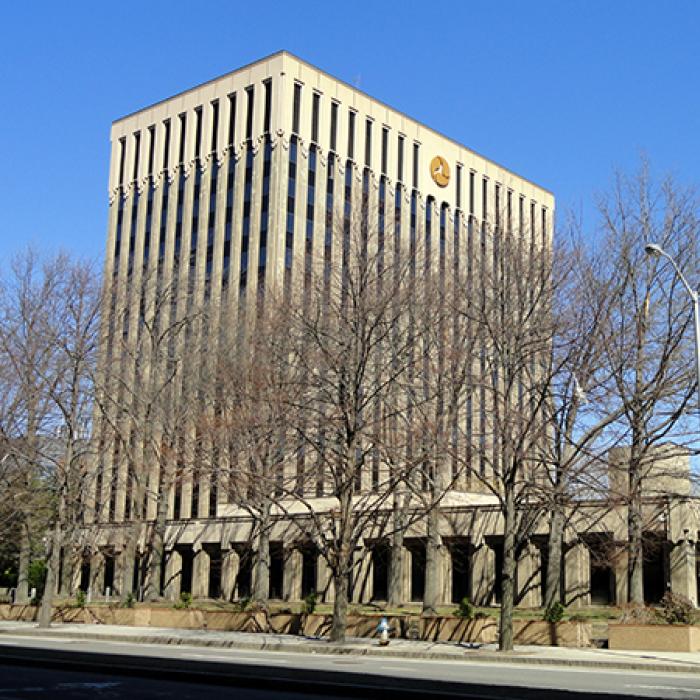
647, 339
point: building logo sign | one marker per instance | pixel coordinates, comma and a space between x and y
440, 171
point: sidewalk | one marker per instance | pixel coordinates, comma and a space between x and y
683, 662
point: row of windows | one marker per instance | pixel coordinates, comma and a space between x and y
352, 116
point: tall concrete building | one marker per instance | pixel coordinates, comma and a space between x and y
228, 189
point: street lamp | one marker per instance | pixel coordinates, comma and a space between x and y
654, 249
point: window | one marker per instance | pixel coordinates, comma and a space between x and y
137, 148
296, 108
267, 114
484, 198
416, 153
385, 148
151, 148
334, 125
166, 145
183, 132
198, 132
315, 106
231, 118
250, 95
214, 125
122, 159
368, 143
351, 134
458, 185
399, 166
472, 178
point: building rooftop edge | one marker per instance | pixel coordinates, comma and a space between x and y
284, 52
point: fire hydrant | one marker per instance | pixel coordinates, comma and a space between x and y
383, 628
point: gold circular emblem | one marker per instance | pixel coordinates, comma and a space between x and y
440, 171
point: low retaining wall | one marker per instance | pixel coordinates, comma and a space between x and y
654, 637
483, 630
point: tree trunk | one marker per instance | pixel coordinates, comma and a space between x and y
433, 571
505, 637
396, 564
53, 564
554, 557
261, 575
22, 593
128, 556
343, 569
636, 552
156, 559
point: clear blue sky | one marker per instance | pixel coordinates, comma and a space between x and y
561, 92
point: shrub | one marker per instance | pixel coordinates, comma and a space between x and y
310, 602
636, 614
554, 612
36, 576
184, 602
676, 609
244, 603
129, 601
465, 609
80, 598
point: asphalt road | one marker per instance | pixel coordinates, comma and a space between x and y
281, 674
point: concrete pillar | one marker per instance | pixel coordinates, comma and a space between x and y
444, 575
577, 575
683, 570
362, 589
483, 573
325, 581
97, 576
200, 574
173, 570
118, 573
293, 563
230, 561
529, 577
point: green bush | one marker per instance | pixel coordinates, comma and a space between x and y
554, 612
129, 601
465, 609
80, 598
676, 609
244, 603
36, 576
184, 602
310, 603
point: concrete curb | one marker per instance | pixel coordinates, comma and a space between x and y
461, 655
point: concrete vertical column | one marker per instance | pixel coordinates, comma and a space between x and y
445, 560
97, 576
529, 577
293, 563
577, 575
200, 573
362, 589
230, 562
483, 574
683, 570
324, 581
173, 569
118, 573
406, 578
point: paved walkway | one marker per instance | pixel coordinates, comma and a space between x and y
557, 656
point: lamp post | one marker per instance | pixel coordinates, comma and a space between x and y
654, 249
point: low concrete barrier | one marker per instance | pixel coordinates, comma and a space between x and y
481, 630
654, 637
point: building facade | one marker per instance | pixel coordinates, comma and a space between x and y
227, 190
